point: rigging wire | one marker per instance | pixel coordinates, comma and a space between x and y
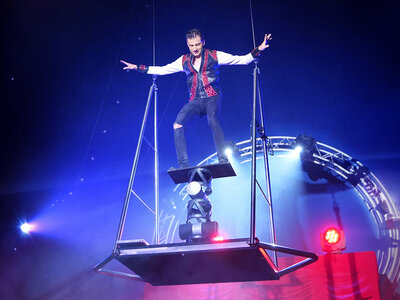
252, 23
154, 33
103, 99
252, 29
177, 82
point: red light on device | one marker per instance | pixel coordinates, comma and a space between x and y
333, 241
332, 236
218, 239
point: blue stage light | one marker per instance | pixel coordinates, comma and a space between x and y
26, 227
308, 145
228, 152
231, 150
298, 149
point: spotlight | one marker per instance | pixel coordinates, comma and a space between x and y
195, 190
199, 226
231, 150
228, 152
298, 149
307, 144
26, 228
198, 231
333, 241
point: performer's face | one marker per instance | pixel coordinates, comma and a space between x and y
195, 45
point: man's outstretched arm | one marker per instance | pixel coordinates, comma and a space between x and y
229, 59
173, 67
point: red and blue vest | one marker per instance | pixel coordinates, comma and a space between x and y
205, 82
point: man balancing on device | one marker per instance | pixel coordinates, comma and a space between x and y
201, 68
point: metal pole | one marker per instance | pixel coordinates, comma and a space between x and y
267, 174
253, 160
156, 166
133, 172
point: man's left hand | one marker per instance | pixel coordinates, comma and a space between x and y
264, 44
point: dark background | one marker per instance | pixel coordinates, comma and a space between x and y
70, 117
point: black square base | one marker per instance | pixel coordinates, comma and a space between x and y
174, 264
216, 171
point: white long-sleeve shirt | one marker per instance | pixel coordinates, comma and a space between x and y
223, 59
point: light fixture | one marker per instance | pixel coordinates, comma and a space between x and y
218, 238
307, 144
333, 241
199, 226
26, 228
198, 231
298, 149
228, 152
231, 150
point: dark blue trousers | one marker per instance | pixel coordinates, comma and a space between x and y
199, 107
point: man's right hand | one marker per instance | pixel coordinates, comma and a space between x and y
128, 66
264, 45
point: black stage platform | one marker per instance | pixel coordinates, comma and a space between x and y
214, 171
184, 263
234, 260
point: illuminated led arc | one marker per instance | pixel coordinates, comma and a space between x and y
369, 188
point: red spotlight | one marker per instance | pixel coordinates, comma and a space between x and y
333, 241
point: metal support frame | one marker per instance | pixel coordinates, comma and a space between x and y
98, 268
156, 169
153, 91
137, 258
253, 241
253, 160
254, 182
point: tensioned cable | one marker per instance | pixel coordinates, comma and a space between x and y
103, 100
144, 203
154, 63
154, 33
168, 102
252, 23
